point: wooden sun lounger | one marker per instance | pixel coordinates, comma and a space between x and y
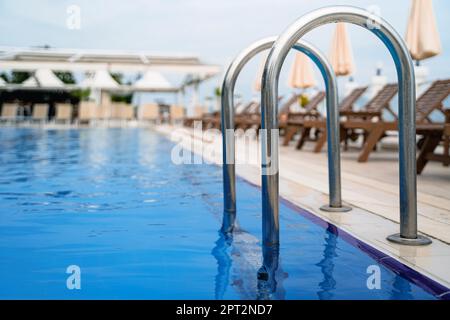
250, 116
199, 115
373, 110
295, 120
252, 119
213, 120
320, 125
428, 102
433, 135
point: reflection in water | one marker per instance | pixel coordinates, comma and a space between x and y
224, 262
270, 275
327, 265
242, 252
228, 221
401, 289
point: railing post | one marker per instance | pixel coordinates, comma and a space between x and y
228, 139
407, 133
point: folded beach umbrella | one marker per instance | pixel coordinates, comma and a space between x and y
341, 57
302, 74
422, 36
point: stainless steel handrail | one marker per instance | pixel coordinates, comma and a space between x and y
228, 134
407, 110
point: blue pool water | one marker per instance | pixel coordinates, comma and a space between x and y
140, 227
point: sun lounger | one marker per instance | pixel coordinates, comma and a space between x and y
105, 112
126, 112
118, 111
319, 125
149, 112
295, 120
88, 111
199, 115
251, 118
9, 112
176, 114
63, 112
212, 120
40, 112
434, 134
428, 102
372, 111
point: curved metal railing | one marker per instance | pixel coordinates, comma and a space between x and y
407, 107
228, 134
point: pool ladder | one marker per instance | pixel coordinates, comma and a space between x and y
279, 49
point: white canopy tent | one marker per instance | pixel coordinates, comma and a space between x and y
100, 79
99, 64
153, 80
30, 59
31, 82
43, 78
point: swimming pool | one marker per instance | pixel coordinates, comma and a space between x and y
111, 202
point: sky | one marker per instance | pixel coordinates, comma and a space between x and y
213, 30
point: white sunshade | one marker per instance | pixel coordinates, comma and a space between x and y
302, 73
422, 36
341, 56
31, 82
43, 78
2, 82
101, 79
153, 80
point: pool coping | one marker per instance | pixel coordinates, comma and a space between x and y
438, 290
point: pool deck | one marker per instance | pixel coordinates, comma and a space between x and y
370, 188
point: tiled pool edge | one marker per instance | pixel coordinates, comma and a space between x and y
438, 290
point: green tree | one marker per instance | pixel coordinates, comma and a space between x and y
66, 77
118, 77
4, 76
81, 94
19, 76
126, 98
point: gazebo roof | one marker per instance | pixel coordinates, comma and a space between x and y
30, 59
153, 80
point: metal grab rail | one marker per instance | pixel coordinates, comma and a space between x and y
229, 185
407, 107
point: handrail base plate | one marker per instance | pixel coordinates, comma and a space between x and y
329, 208
419, 241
